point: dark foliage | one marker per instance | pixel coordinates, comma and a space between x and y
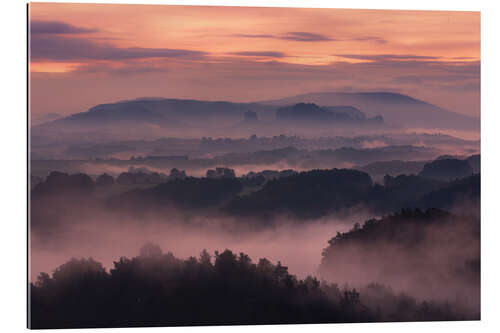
391, 228
400, 192
104, 180
221, 172
131, 178
308, 194
59, 183
475, 163
393, 168
432, 253
466, 191
446, 169
316, 193
181, 193
58, 195
253, 181
391, 307
271, 174
311, 112
157, 289
302, 195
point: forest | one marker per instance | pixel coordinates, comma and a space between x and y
158, 289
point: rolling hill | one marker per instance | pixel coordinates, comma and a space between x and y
396, 109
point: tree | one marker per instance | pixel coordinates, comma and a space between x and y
104, 180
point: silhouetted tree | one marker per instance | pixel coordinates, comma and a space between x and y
157, 289
104, 180
446, 169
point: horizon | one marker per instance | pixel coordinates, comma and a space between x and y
249, 102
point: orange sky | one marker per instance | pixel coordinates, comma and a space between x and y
111, 52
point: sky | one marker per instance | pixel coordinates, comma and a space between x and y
82, 55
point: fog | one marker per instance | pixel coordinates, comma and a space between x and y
439, 261
431, 261
434, 268
106, 240
462, 134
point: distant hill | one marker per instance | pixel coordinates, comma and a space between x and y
310, 194
446, 169
310, 112
183, 114
188, 193
156, 112
395, 108
377, 170
316, 193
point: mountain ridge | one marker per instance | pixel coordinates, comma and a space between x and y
417, 113
396, 109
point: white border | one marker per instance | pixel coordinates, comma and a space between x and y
13, 175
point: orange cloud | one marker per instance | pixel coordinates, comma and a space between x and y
203, 51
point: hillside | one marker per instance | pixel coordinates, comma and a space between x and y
310, 112
396, 109
428, 250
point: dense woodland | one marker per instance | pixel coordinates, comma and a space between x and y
157, 289
426, 247
301, 196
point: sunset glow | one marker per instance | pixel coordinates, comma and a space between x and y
268, 46
203, 165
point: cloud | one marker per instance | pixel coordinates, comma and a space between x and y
234, 77
253, 35
379, 40
305, 37
383, 57
408, 79
420, 79
128, 67
301, 36
56, 27
59, 48
272, 54
298, 36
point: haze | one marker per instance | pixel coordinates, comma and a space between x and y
341, 145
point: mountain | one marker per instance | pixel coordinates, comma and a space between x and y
310, 112
154, 113
157, 114
396, 109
